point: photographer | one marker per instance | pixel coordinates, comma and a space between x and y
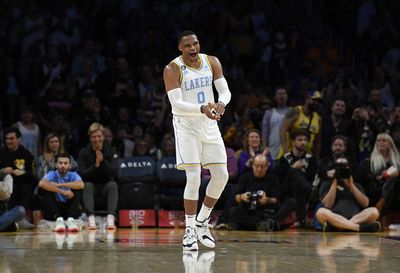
338, 149
258, 195
345, 204
297, 170
8, 218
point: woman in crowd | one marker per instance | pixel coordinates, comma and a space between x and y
52, 146
379, 174
252, 145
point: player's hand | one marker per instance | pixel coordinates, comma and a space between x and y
219, 108
209, 111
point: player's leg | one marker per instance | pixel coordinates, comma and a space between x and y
214, 158
188, 148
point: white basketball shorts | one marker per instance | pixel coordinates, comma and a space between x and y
198, 142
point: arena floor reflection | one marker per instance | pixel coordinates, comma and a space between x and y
152, 250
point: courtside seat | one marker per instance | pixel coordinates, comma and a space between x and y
171, 184
137, 176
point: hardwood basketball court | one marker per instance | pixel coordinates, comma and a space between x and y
159, 250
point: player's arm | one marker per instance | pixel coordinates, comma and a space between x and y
288, 121
224, 95
173, 88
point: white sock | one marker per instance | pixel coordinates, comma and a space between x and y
204, 213
190, 220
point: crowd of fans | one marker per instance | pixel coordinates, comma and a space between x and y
67, 64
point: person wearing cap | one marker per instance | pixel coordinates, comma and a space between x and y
303, 117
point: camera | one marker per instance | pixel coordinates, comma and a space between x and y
342, 171
254, 199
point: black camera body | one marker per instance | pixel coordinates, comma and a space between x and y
254, 199
342, 171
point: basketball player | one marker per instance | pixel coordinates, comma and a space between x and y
188, 81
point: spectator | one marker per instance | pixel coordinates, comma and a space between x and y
8, 218
345, 203
303, 117
333, 124
53, 145
379, 173
272, 122
297, 170
54, 103
30, 132
258, 195
338, 149
18, 162
364, 133
252, 145
168, 146
154, 151
96, 166
62, 194
141, 148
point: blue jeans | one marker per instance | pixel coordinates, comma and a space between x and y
11, 216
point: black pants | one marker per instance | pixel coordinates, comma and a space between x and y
247, 220
53, 209
22, 195
387, 190
297, 186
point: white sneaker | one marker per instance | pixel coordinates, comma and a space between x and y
60, 225
72, 225
204, 234
110, 222
189, 241
91, 223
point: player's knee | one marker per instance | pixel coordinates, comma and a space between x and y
192, 184
219, 178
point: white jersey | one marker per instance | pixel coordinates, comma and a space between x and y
196, 84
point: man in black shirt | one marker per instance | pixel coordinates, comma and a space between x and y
18, 162
297, 171
258, 196
97, 169
345, 203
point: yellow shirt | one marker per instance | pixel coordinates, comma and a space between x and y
302, 122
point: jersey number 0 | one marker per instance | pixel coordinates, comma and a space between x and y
201, 98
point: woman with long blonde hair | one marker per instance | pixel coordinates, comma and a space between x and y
380, 173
